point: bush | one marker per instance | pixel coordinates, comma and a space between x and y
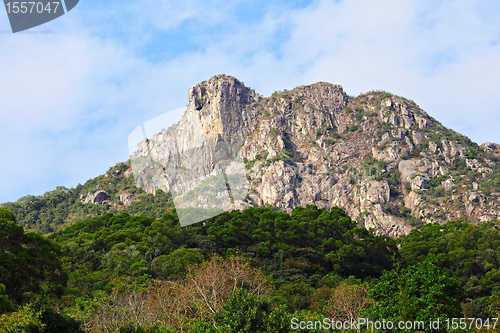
273, 132
359, 113
416, 222
439, 215
470, 155
439, 192
353, 128
246, 313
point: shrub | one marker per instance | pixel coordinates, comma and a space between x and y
273, 132
298, 100
439, 192
470, 155
384, 95
359, 113
416, 222
439, 215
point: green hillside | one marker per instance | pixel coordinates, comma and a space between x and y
63, 206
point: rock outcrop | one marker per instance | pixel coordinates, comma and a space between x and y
127, 199
99, 197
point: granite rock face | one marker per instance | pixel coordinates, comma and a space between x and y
374, 155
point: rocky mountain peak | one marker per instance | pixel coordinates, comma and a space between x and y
223, 103
380, 157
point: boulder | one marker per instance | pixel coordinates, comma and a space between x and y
448, 184
419, 182
433, 147
399, 133
128, 172
98, 198
410, 168
489, 146
127, 199
418, 137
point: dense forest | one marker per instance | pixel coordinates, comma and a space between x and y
257, 270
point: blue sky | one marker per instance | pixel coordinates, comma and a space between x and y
70, 97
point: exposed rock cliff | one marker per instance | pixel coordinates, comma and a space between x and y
378, 156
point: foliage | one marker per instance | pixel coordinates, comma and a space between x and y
359, 113
330, 141
467, 252
246, 313
25, 318
417, 293
299, 100
251, 269
175, 264
29, 263
436, 181
332, 236
200, 296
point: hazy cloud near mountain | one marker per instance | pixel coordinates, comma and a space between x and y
70, 98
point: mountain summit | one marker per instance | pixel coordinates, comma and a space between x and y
378, 156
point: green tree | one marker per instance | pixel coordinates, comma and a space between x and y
25, 318
29, 263
470, 253
174, 264
417, 293
244, 313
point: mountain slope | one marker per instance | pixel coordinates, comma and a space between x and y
113, 192
378, 156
